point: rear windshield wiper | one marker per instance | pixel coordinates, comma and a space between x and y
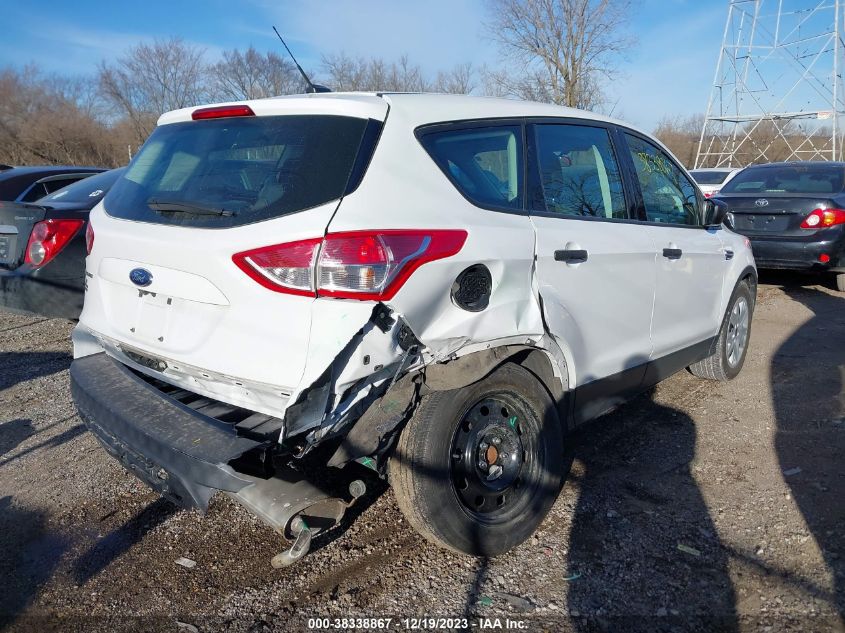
176, 206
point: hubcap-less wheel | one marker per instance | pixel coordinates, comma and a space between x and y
737, 335
489, 458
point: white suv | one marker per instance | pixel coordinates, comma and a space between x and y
436, 287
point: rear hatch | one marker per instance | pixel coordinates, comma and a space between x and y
772, 215
163, 289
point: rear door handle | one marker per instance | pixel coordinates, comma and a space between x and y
729, 254
672, 253
571, 256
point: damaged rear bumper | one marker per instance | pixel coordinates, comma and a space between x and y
180, 453
185, 455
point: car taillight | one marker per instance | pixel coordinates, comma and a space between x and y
374, 265
366, 265
89, 238
283, 267
823, 218
48, 238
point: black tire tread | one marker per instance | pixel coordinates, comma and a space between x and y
401, 475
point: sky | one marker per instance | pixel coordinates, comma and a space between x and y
668, 73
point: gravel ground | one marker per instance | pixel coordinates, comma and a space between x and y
697, 506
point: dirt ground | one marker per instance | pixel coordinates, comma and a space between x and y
699, 506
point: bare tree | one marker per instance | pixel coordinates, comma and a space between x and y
460, 80
154, 78
347, 73
252, 75
563, 49
44, 119
680, 135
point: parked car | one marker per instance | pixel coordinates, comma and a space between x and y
42, 248
28, 184
711, 179
280, 289
793, 214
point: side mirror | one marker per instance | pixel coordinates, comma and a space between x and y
715, 212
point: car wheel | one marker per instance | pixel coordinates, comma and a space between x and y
732, 344
840, 282
477, 469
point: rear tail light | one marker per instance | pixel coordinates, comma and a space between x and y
284, 267
89, 238
48, 238
366, 265
823, 218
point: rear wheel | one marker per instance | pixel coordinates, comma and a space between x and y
732, 344
478, 468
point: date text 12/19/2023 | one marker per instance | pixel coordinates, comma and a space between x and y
417, 624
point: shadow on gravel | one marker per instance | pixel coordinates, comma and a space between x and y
28, 557
108, 549
15, 433
17, 367
638, 504
65, 436
808, 389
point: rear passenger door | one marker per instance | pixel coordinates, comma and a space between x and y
595, 262
691, 259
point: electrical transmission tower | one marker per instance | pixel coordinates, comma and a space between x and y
777, 93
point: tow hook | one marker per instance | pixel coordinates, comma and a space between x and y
303, 533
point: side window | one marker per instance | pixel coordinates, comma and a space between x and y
579, 174
484, 163
668, 194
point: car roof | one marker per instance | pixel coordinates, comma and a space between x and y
715, 169
420, 107
416, 108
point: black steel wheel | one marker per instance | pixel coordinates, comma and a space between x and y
478, 468
492, 470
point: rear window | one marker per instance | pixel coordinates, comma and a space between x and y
484, 163
89, 190
787, 179
709, 177
229, 172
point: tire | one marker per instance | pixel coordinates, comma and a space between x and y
840, 282
435, 470
727, 361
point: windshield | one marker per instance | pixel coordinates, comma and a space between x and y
234, 171
715, 177
797, 178
88, 190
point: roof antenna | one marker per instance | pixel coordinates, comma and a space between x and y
312, 87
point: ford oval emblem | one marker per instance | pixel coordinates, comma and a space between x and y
761, 202
141, 277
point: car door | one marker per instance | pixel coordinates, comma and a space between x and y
595, 264
691, 258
